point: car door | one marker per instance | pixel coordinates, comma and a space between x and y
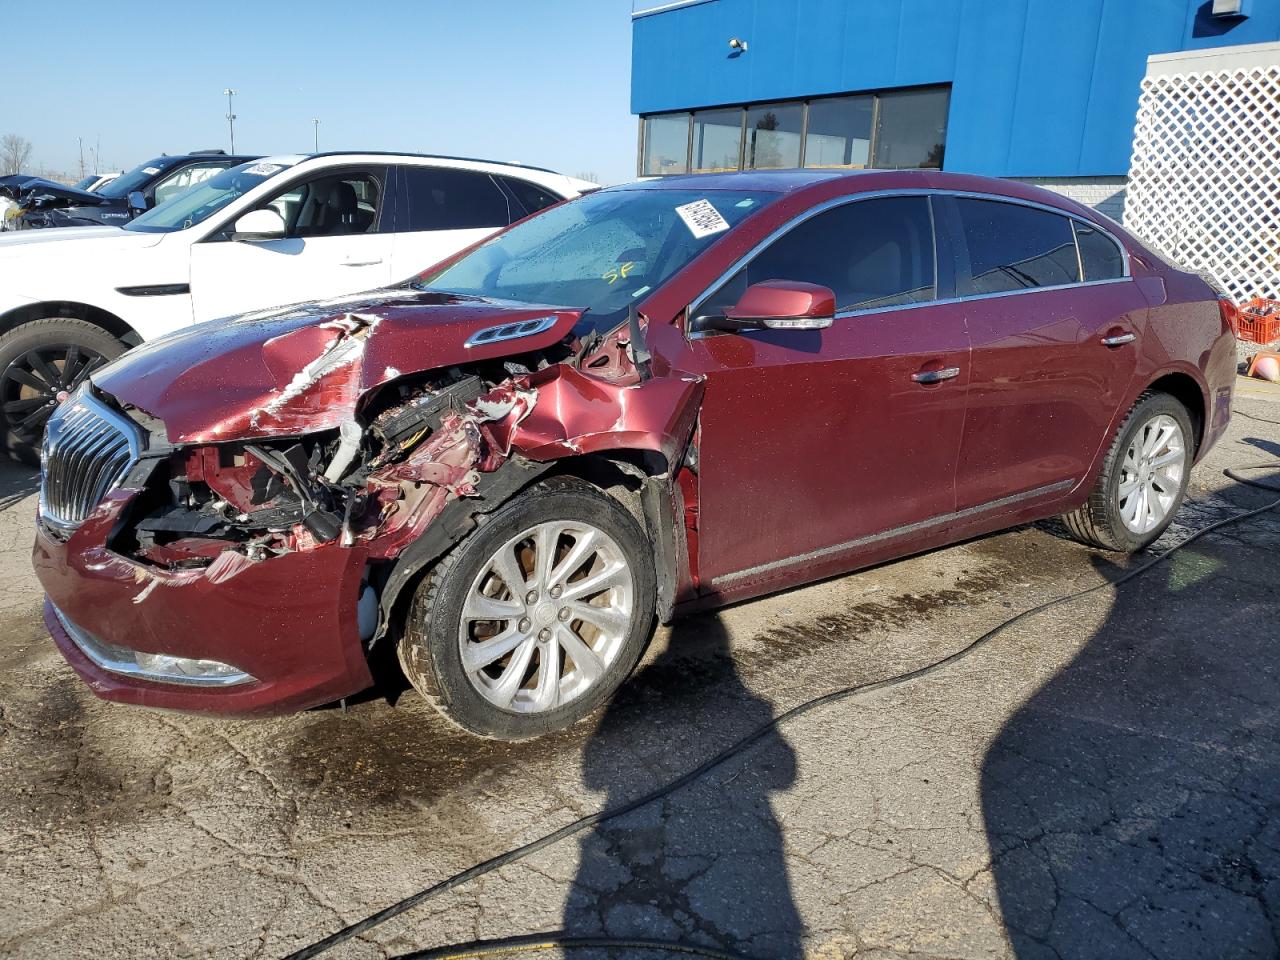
443, 210
335, 243
814, 444
1052, 354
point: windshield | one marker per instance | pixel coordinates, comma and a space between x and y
601, 252
135, 179
87, 182
205, 199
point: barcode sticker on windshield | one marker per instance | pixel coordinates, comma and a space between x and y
702, 218
264, 169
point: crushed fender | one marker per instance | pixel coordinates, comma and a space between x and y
371, 469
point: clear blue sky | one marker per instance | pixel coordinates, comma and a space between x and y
545, 82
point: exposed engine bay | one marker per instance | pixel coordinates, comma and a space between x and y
420, 443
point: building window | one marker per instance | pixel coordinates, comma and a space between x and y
773, 135
911, 128
666, 144
839, 132
885, 129
717, 141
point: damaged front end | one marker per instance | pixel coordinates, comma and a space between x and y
270, 528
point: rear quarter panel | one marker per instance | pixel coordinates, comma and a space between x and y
1187, 334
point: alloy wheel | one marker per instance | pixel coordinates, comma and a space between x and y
35, 382
547, 615
1151, 474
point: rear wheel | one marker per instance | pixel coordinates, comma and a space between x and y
1143, 480
530, 623
40, 361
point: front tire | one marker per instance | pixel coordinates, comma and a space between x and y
38, 361
1143, 481
533, 620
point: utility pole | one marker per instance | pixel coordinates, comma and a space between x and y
316, 121
231, 117
80, 144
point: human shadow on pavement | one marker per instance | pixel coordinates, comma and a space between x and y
706, 864
1131, 804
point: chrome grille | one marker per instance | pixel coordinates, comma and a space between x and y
88, 449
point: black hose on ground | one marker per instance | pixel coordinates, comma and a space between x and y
548, 941
1250, 416
537, 942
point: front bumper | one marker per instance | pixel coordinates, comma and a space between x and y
289, 622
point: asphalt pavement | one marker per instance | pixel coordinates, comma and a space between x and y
1101, 780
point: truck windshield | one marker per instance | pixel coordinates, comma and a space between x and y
135, 179
206, 198
602, 252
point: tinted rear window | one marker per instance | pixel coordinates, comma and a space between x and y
1099, 254
1014, 247
444, 199
530, 195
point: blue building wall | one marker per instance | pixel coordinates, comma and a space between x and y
1040, 88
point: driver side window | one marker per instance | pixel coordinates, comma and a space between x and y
871, 253
334, 205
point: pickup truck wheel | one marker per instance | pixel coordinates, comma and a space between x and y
1143, 481
533, 620
40, 360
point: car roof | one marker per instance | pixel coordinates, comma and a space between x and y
169, 159
775, 181
856, 181
427, 156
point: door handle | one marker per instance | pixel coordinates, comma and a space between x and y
361, 263
1119, 339
936, 376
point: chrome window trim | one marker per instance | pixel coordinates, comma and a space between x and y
894, 532
109, 657
927, 192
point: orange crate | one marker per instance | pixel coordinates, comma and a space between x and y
1259, 320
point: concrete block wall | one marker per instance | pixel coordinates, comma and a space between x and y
1104, 194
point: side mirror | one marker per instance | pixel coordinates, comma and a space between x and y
778, 305
259, 225
137, 202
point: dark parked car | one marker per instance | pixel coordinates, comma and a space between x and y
656, 398
118, 201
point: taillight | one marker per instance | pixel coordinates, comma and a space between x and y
1230, 314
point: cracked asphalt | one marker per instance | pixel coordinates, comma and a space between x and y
1102, 780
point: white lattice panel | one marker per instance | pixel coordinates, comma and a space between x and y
1204, 185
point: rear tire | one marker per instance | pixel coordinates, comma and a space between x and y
1143, 481
509, 645
38, 360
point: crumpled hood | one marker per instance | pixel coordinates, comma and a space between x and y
69, 195
305, 368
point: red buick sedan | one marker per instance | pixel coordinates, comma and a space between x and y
656, 398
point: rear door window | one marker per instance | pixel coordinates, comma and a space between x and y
871, 253
1099, 255
440, 198
1014, 247
531, 196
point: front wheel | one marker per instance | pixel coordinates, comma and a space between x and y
532, 621
40, 361
1143, 481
